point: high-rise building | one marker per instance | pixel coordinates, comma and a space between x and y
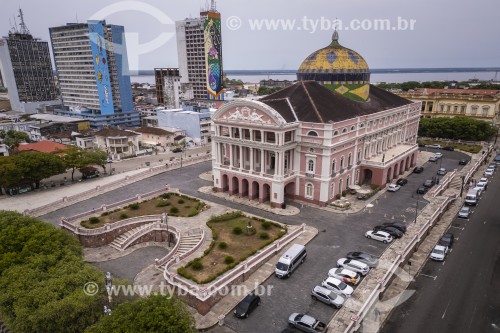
199, 47
167, 82
92, 70
26, 70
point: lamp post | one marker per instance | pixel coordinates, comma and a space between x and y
109, 163
109, 283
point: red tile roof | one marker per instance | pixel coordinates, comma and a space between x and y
43, 147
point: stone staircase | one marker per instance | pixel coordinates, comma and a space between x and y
187, 242
123, 238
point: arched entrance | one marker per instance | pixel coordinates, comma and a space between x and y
266, 192
255, 190
412, 159
408, 163
225, 183
244, 188
367, 177
395, 172
389, 173
290, 191
236, 187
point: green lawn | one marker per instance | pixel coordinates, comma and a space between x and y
173, 204
238, 246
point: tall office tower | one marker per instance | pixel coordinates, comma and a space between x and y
26, 70
168, 87
199, 47
92, 70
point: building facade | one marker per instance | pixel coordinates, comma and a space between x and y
117, 143
92, 70
310, 143
195, 124
474, 103
26, 70
168, 87
199, 47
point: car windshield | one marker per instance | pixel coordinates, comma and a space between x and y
332, 296
281, 266
436, 251
464, 210
342, 285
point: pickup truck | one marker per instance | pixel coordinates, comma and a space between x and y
306, 323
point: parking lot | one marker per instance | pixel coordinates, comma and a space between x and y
338, 235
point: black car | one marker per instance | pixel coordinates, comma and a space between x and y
418, 169
429, 183
447, 240
462, 162
448, 148
246, 306
402, 181
400, 226
364, 257
394, 232
177, 150
422, 190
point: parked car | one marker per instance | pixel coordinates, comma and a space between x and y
353, 265
394, 232
402, 181
429, 183
306, 323
435, 146
393, 188
492, 166
422, 190
438, 155
367, 258
379, 235
448, 148
177, 150
489, 172
345, 275
328, 296
418, 169
447, 240
463, 161
442, 172
497, 159
246, 306
433, 158
481, 186
396, 225
439, 252
464, 212
337, 286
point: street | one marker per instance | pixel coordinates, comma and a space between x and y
462, 294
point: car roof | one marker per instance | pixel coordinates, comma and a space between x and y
333, 279
322, 290
439, 247
384, 233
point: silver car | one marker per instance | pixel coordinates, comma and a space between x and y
464, 212
327, 296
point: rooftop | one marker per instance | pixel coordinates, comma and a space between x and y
428, 91
152, 130
43, 147
309, 101
114, 132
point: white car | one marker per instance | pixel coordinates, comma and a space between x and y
464, 212
328, 296
337, 286
439, 252
436, 146
353, 265
345, 275
393, 187
381, 236
442, 172
489, 172
481, 186
483, 180
438, 155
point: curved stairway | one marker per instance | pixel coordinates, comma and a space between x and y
118, 242
187, 242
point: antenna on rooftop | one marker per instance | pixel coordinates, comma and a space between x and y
24, 28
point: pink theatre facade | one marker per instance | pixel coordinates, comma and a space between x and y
256, 154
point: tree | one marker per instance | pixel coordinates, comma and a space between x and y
13, 138
98, 157
74, 158
42, 278
36, 166
456, 128
10, 175
155, 313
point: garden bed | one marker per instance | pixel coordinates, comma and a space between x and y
233, 242
171, 203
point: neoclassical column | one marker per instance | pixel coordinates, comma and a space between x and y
231, 155
262, 163
241, 157
251, 160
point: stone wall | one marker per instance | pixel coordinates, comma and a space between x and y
107, 237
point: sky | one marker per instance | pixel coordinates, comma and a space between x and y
415, 34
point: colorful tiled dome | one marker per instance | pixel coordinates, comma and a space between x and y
339, 69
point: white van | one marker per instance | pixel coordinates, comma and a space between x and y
472, 197
290, 260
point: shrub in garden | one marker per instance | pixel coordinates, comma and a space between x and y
266, 225
237, 231
264, 235
162, 203
228, 260
94, 220
123, 216
174, 210
222, 245
180, 201
197, 265
134, 206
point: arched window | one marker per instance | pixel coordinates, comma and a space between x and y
359, 156
349, 159
353, 128
332, 190
342, 162
340, 186
335, 133
348, 182
312, 133
310, 165
309, 190
344, 130
334, 166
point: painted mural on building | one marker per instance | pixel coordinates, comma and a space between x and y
213, 56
